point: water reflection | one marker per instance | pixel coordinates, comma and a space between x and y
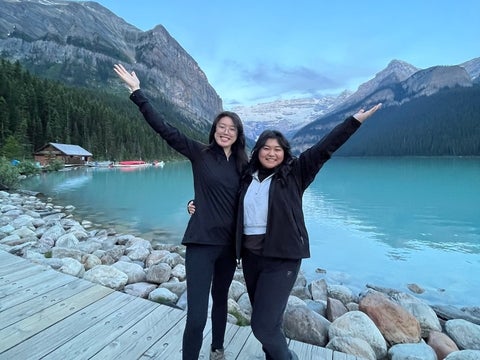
417, 203
148, 201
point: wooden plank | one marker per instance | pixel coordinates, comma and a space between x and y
20, 271
140, 337
310, 352
37, 278
169, 346
39, 287
22, 330
7, 260
235, 339
87, 343
33, 287
230, 332
19, 311
251, 348
7, 264
50, 338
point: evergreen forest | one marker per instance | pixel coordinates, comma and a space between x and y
444, 124
36, 111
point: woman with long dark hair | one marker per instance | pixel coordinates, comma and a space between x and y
209, 237
272, 238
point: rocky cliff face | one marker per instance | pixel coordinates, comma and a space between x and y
78, 43
395, 72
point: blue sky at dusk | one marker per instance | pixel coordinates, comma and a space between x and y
263, 50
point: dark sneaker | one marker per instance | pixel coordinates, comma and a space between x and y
218, 354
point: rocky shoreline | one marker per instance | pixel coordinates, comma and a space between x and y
378, 323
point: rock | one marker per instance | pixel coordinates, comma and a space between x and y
177, 287
415, 289
342, 293
464, 333
357, 324
446, 312
441, 343
318, 289
179, 272
464, 355
163, 296
140, 289
134, 272
320, 307
155, 257
107, 276
245, 304
422, 312
353, 346
90, 261
420, 351
335, 309
235, 310
72, 267
173, 259
236, 290
395, 323
68, 240
12, 240
59, 252
159, 273
302, 324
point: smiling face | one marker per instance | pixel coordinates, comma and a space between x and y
225, 133
271, 154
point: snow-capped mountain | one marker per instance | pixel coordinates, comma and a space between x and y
286, 115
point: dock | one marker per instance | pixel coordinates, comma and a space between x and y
46, 314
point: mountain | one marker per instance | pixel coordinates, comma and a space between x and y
77, 43
473, 68
289, 116
398, 84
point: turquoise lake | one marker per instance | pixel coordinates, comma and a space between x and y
388, 222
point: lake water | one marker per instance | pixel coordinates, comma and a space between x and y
384, 221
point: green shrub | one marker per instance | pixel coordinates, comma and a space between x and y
28, 168
241, 320
54, 165
9, 175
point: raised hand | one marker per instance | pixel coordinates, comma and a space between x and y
363, 115
130, 79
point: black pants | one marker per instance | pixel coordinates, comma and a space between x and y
269, 283
206, 265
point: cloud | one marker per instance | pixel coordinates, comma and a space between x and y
288, 79
272, 81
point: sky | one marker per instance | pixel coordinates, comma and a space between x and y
255, 51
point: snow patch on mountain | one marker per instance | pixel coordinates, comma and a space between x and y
287, 116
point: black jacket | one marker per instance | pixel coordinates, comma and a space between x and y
215, 181
286, 235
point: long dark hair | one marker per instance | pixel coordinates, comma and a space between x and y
238, 147
262, 140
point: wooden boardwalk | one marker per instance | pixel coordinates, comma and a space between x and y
45, 314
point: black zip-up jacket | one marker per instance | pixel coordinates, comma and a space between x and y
215, 180
286, 235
